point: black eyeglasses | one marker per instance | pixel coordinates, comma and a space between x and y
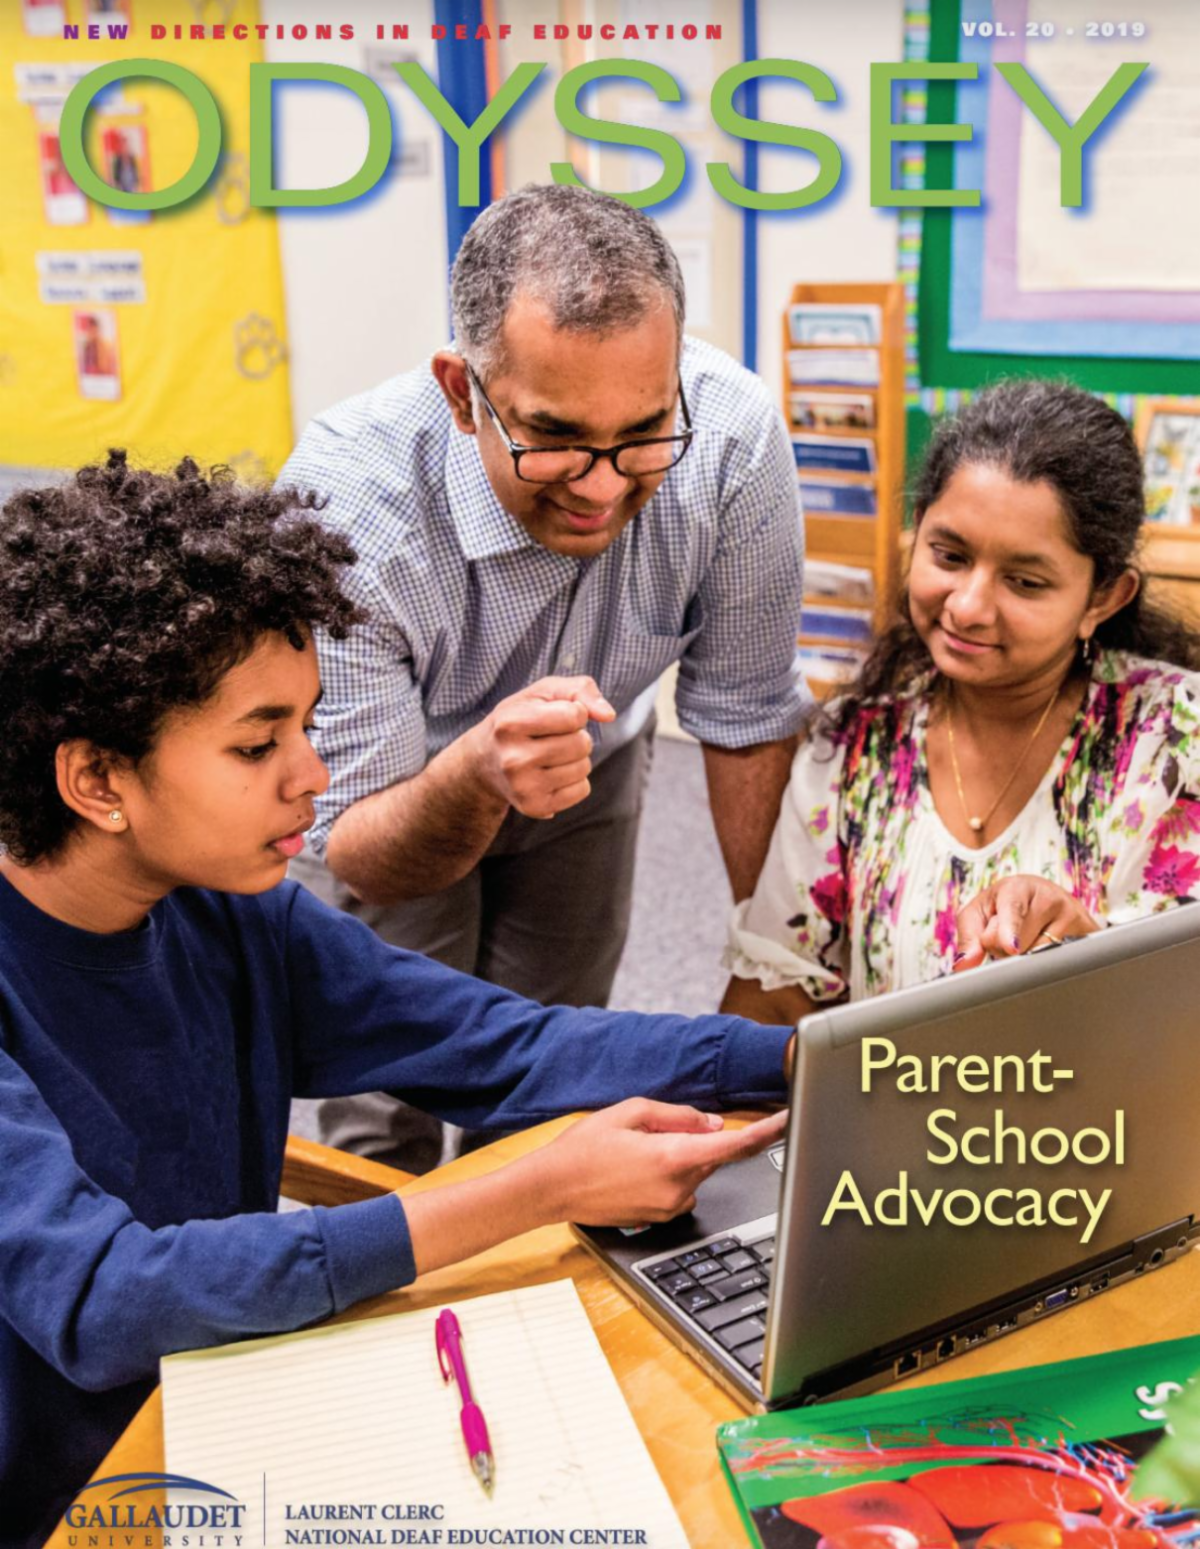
566, 464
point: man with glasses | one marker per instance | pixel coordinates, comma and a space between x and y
573, 499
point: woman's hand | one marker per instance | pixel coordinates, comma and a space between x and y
642, 1161
1015, 915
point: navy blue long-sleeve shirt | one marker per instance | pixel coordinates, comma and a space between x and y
145, 1081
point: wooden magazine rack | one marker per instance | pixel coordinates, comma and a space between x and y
869, 542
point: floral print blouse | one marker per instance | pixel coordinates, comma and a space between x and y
863, 881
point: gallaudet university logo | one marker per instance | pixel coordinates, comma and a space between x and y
103, 1517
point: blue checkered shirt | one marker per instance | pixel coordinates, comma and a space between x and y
466, 608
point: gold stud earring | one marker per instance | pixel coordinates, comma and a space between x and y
116, 816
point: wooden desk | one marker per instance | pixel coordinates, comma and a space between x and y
675, 1405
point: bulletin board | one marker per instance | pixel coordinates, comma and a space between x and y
1021, 286
159, 332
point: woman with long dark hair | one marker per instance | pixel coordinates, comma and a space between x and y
1019, 759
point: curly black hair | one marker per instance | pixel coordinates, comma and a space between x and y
1037, 430
127, 594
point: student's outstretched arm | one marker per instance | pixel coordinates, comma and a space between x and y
370, 1017
102, 1297
625, 1166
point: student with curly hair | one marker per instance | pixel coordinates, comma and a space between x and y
1019, 760
163, 993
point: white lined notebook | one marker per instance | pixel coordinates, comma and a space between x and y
358, 1415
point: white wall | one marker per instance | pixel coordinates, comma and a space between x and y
842, 238
365, 282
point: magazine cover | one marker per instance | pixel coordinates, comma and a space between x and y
1044, 1456
464, 474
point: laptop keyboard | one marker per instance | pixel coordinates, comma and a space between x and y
721, 1287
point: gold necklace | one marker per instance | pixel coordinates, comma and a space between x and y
978, 824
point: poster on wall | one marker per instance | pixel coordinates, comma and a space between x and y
104, 12
97, 361
63, 203
43, 18
127, 167
1171, 449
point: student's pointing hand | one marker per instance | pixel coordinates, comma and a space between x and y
638, 1162
533, 751
642, 1161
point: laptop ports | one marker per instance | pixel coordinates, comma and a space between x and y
1057, 1299
945, 1348
908, 1363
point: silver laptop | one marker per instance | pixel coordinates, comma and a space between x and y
782, 1309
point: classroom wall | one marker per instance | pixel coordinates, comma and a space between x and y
842, 238
366, 283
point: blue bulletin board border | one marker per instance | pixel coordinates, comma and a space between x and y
462, 80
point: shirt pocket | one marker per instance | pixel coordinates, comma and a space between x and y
638, 660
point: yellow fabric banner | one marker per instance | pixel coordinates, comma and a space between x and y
163, 332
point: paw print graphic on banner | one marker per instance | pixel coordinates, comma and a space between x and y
257, 347
231, 192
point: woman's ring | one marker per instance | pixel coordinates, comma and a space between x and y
1055, 941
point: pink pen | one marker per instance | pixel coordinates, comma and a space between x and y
474, 1427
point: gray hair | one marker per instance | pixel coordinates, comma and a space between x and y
597, 265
